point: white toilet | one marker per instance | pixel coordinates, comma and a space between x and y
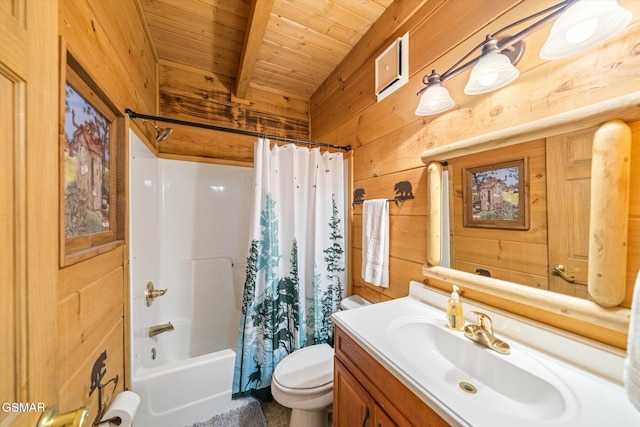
303, 380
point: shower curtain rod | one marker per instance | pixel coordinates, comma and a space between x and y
132, 114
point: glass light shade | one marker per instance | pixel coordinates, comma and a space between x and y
584, 25
434, 100
493, 71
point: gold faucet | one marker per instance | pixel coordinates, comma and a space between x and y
158, 329
482, 333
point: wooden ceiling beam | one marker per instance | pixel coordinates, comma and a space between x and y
259, 14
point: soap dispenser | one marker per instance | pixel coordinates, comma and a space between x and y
455, 314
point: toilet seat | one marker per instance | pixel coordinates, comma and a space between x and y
309, 369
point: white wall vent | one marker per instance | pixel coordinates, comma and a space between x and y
392, 67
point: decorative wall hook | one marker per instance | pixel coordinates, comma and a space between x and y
358, 196
403, 191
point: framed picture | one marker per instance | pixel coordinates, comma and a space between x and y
496, 195
92, 134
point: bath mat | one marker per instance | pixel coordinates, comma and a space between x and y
249, 415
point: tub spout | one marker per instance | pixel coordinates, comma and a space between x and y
158, 329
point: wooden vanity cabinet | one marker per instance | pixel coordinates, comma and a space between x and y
368, 395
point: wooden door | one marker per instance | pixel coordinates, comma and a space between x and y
28, 209
569, 177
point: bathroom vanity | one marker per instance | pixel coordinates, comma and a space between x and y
397, 364
367, 394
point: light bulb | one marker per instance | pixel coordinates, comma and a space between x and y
488, 79
434, 100
581, 31
493, 71
584, 25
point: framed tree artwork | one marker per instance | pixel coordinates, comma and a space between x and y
91, 141
496, 195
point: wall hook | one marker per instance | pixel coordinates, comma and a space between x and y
358, 197
403, 190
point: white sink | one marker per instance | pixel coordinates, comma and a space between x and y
470, 385
514, 384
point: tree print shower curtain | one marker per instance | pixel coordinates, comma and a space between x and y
295, 275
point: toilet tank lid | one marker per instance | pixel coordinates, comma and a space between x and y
354, 301
308, 367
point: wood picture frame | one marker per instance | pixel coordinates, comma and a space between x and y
496, 195
91, 165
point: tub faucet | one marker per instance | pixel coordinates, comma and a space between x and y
158, 329
482, 333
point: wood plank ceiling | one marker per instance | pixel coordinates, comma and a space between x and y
287, 46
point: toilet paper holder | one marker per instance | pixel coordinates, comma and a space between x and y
112, 419
98, 373
101, 407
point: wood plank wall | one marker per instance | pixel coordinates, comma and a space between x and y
388, 137
194, 95
111, 44
518, 256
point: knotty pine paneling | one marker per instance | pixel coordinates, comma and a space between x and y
428, 38
398, 285
110, 42
399, 15
75, 389
196, 96
388, 138
85, 318
207, 145
406, 241
383, 187
73, 280
407, 225
183, 31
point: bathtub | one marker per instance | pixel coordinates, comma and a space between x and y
186, 391
185, 375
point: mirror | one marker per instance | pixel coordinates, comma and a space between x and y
604, 321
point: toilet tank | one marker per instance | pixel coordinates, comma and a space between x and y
354, 301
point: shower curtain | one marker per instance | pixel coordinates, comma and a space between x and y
295, 275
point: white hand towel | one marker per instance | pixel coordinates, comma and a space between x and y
632, 362
375, 242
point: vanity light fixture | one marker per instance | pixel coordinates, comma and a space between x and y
493, 70
580, 25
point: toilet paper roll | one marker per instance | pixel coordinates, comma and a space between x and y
122, 409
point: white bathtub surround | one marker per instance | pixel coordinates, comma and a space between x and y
375, 242
296, 263
551, 378
632, 362
188, 235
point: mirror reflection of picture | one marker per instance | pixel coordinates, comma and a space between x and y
496, 195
